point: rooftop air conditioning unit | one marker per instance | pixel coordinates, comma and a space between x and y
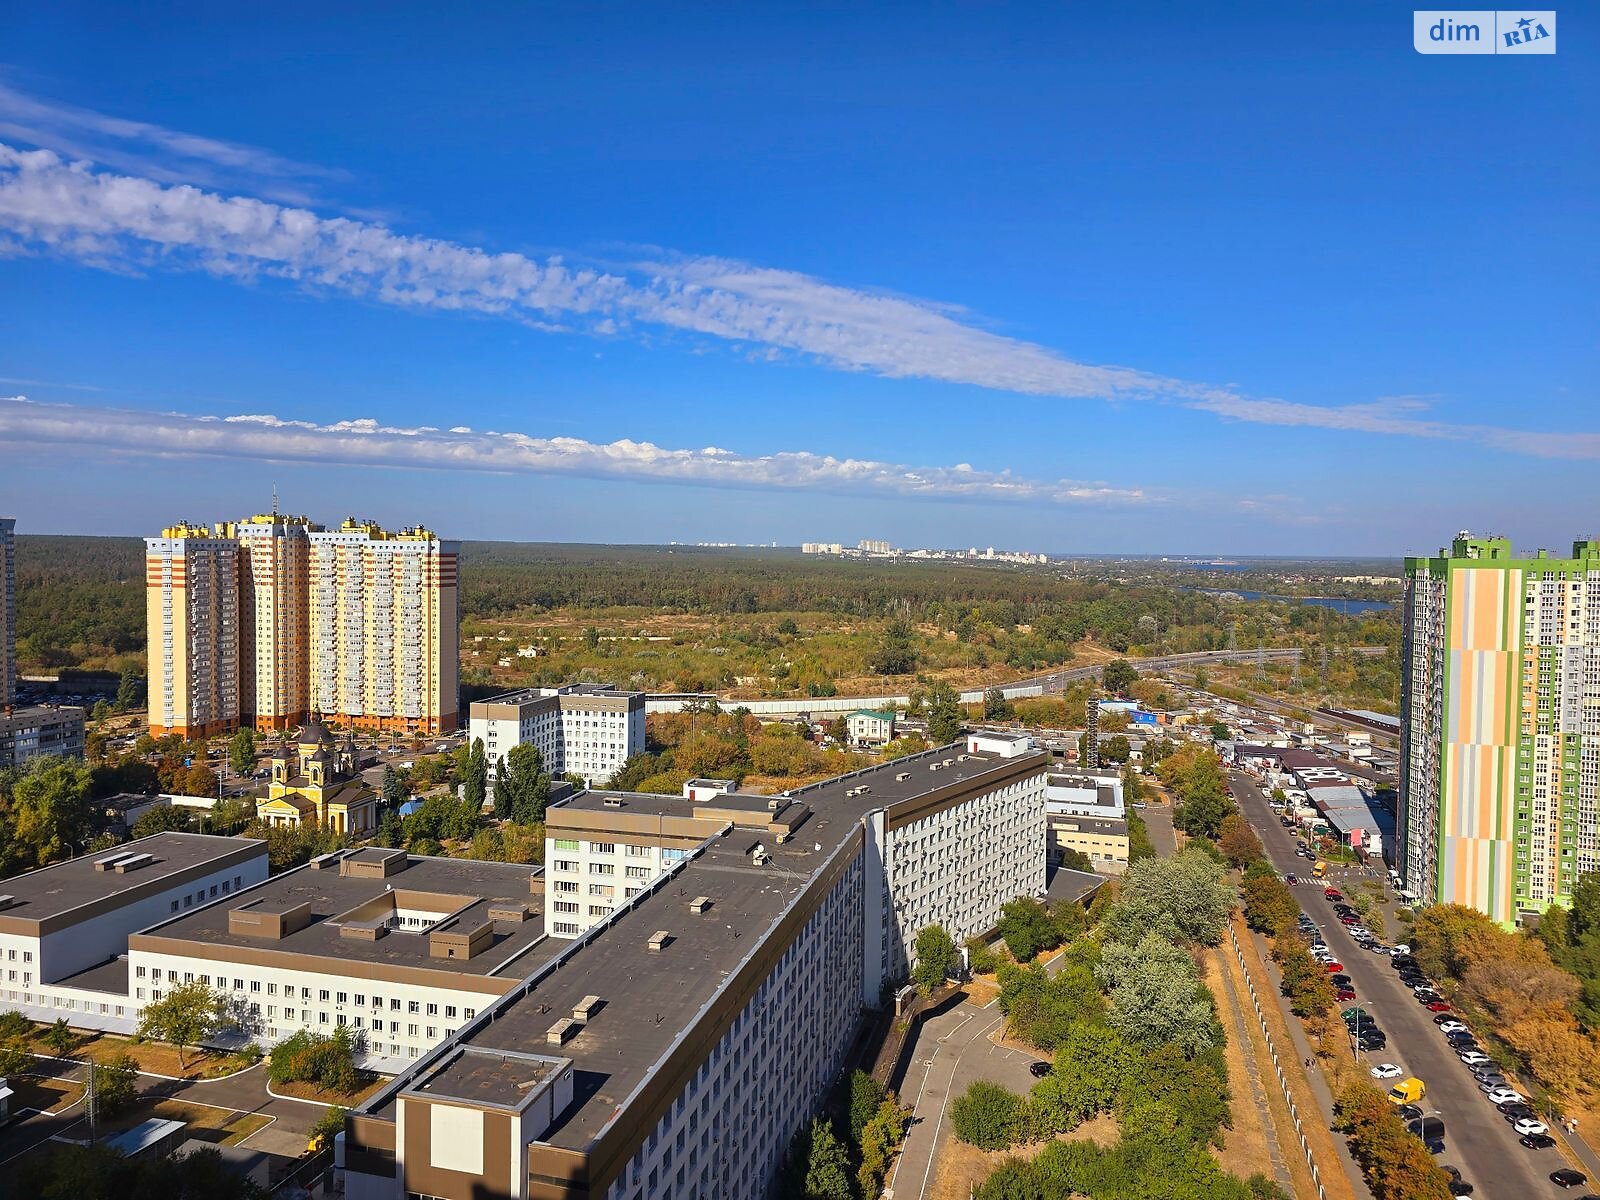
902, 777
613, 802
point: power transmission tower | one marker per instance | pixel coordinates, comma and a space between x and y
1233, 638
1261, 660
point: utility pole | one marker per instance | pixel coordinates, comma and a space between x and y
93, 1101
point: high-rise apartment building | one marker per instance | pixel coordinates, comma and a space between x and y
8, 610
274, 567
1500, 714
383, 649
355, 624
192, 613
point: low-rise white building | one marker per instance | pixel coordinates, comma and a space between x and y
581, 729
64, 929
869, 727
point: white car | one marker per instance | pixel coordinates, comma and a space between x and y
1529, 1126
1402, 948
1506, 1095
1474, 1058
1453, 1027
1386, 1071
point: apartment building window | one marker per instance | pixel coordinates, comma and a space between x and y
566, 843
603, 847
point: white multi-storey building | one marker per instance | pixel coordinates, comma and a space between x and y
401, 948
64, 928
581, 729
711, 1011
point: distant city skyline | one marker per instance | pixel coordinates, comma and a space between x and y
986, 281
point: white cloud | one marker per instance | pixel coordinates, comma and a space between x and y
169, 155
366, 442
123, 222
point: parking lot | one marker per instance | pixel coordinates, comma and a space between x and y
1478, 1140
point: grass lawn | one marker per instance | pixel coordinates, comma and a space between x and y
46, 1095
153, 1057
960, 1167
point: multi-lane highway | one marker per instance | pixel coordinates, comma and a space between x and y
1478, 1139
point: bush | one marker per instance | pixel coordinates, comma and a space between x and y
936, 958
1027, 929
982, 957
986, 1116
328, 1062
116, 1084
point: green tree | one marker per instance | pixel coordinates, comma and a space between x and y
986, 1115
242, 752
1118, 676
936, 958
591, 638
116, 1084
184, 1017
15, 1057
50, 807
1026, 927
327, 1127
897, 653
945, 717
866, 1094
880, 1138
521, 785
1155, 994
827, 1166
160, 819
475, 774
394, 790
1186, 897
14, 1025
996, 707
59, 1037
99, 712
128, 690
1237, 841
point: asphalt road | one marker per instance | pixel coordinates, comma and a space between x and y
1478, 1139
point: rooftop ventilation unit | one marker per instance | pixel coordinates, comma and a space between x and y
759, 855
562, 1031
613, 802
11, 902
323, 861
585, 1009
132, 863
962, 757
110, 861
776, 803
933, 766
949, 762
902, 776
698, 905
658, 940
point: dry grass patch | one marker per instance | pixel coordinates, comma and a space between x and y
961, 1167
156, 1058
46, 1095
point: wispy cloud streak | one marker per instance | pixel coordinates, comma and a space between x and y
121, 222
366, 442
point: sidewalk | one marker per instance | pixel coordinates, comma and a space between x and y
1313, 1076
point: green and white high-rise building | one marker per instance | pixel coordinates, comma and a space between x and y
1500, 714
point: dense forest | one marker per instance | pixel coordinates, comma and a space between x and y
770, 621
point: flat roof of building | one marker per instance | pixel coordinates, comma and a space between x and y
109, 977
25, 716
504, 1077
1109, 826
652, 998
466, 888
64, 888
1065, 884
666, 805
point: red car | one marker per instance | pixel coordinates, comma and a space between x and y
1437, 1006
1334, 966
1344, 994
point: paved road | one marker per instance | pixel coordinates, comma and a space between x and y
1477, 1137
949, 1052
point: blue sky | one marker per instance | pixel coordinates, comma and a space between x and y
1071, 278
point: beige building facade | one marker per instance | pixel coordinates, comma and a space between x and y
267, 621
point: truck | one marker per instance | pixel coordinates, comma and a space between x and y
1408, 1091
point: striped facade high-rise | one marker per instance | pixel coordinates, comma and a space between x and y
8, 610
1500, 711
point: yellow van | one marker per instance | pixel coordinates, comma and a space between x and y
1318, 871
1408, 1091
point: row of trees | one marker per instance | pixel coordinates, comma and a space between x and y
1531, 1003
1194, 775
1133, 1033
846, 1151
1396, 1163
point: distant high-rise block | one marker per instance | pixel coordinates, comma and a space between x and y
1500, 714
8, 610
355, 624
383, 627
192, 611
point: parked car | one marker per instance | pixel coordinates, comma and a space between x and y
1340, 979
1342, 994
1437, 1006
1386, 1071
1505, 1095
1451, 1025
1489, 1083
1333, 964
1039, 1069
1537, 1141
1566, 1177
1474, 1058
